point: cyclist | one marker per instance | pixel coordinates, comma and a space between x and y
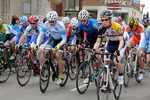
115, 44
66, 22
99, 21
15, 23
120, 22
31, 31
10, 38
58, 34
90, 26
137, 37
144, 43
24, 24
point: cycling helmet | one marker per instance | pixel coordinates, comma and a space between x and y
114, 19
1, 21
33, 18
23, 19
119, 19
65, 20
133, 23
106, 13
44, 20
74, 23
137, 18
83, 14
52, 15
99, 21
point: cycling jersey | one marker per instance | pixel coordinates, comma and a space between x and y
91, 28
15, 27
4, 30
20, 33
138, 34
112, 33
146, 38
57, 32
29, 30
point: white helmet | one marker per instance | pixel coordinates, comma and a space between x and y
52, 15
114, 19
99, 21
83, 14
65, 20
74, 23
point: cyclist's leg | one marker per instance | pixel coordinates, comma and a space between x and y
6, 49
11, 44
148, 56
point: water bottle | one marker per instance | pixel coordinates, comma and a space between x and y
95, 66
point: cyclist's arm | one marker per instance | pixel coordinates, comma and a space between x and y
145, 39
41, 35
98, 41
81, 37
125, 35
64, 39
22, 38
121, 40
18, 35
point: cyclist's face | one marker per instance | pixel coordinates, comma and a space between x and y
84, 21
33, 24
66, 25
24, 24
52, 23
106, 21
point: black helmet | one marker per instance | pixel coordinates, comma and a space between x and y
106, 13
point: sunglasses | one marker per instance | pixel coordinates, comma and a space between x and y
51, 21
83, 20
104, 20
33, 23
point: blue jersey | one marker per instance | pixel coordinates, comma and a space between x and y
91, 28
20, 33
146, 38
15, 27
57, 32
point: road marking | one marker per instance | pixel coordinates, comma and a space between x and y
82, 86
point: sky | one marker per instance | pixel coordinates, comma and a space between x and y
147, 6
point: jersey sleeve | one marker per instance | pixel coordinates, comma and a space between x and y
6, 29
101, 30
146, 38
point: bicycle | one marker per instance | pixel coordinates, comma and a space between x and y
109, 74
86, 70
26, 66
131, 67
75, 61
48, 68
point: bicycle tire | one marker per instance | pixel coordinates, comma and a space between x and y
84, 75
4, 71
44, 76
101, 94
137, 73
73, 64
65, 72
127, 74
117, 87
25, 66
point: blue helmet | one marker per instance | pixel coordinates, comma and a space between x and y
23, 19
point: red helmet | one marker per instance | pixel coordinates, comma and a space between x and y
33, 18
119, 19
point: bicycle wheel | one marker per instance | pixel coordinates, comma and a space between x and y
74, 63
117, 87
24, 71
82, 74
102, 94
127, 73
4, 70
44, 76
65, 72
137, 73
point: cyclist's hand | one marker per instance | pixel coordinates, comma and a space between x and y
142, 52
117, 53
17, 46
57, 47
36, 46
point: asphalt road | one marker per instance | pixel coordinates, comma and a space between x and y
10, 90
